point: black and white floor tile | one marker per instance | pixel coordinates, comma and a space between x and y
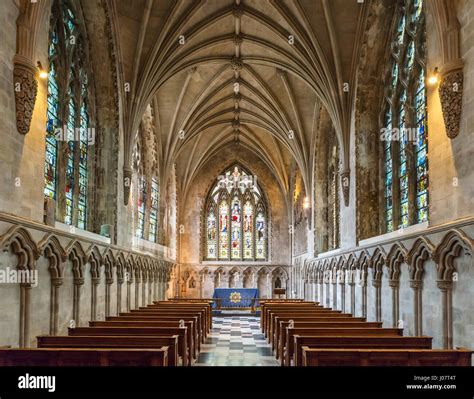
236, 341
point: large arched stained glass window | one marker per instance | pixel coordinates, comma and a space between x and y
236, 224
68, 129
405, 149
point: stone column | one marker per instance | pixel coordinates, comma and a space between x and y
128, 301
334, 293
353, 297
25, 290
95, 283
119, 295
378, 299
395, 286
56, 282
144, 284
417, 286
137, 292
108, 285
78, 282
446, 288
342, 287
363, 284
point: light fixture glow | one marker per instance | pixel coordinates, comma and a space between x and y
434, 77
306, 203
43, 74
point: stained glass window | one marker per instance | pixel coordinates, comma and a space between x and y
234, 200
141, 204
387, 149
211, 233
406, 91
223, 230
68, 120
260, 239
403, 173
421, 152
248, 230
152, 234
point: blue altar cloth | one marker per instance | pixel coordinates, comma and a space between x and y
236, 297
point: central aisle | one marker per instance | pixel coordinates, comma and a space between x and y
236, 341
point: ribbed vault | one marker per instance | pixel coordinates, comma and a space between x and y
252, 71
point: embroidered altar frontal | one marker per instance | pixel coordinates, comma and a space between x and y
236, 297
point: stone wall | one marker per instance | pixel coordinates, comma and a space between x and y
451, 162
432, 272
67, 275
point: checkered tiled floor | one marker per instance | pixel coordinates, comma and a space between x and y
236, 341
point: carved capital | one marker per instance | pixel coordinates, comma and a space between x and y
79, 281
445, 285
376, 283
57, 281
450, 93
25, 89
345, 184
109, 281
394, 283
127, 183
416, 284
120, 280
95, 280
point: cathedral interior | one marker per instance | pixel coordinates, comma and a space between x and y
319, 150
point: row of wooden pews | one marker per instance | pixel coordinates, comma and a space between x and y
307, 334
166, 333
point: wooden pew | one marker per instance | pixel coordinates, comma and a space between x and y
137, 332
315, 313
88, 357
287, 341
157, 314
289, 307
385, 357
280, 329
113, 342
198, 307
361, 342
194, 319
193, 336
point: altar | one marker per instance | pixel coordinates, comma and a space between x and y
232, 298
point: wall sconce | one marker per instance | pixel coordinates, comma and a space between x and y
434, 77
306, 203
43, 74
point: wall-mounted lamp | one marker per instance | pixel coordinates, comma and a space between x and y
306, 203
434, 77
43, 74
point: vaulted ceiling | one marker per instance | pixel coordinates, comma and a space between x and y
251, 71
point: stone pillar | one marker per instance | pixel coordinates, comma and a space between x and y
128, 301
395, 286
119, 295
25, 290
342, 287
95, 283
378, 299
144, 284
417, 286
353, 297
78, 282
363, 284
56, 282
446, 288
334, 294
137, 292
108, 285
